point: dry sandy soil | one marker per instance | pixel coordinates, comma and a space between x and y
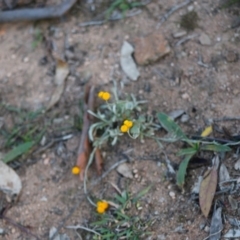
203, 80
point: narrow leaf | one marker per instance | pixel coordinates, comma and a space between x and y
216, 148
208, 187
142, 193
170, 126
207, 131
183, 169
18, 151
186, 151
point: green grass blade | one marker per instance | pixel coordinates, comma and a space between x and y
170, 126
142, 193
186, 151
18, 151
216, 148
183, 169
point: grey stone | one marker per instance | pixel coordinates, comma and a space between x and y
204, 39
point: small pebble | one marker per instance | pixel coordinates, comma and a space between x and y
135, 171
179, 34
172, 195
206, 229
190, 8
26, 59
185, 96
184, 118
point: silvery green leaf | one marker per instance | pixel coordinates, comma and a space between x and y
135, 130
114, 141
129, 105
92, 128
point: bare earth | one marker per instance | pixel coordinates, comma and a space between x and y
201, 79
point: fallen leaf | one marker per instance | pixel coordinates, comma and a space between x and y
98, 161
61, 74
208, 187
176, 114
216, 225
127, 63
207, 131
232, 233
10, 182
233, 203
124, 170
237, 165
223, 173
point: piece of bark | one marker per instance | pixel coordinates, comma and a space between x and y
84, 149
98, 161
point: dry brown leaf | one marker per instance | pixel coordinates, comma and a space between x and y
208, 187
98, 161
61, 74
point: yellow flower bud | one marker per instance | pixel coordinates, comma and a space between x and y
128, 123
100, 94
75, 170
124, 128
106, 96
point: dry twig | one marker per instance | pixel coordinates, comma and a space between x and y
172, 10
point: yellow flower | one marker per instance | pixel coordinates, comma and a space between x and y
124, 128
75, 170
100, 94
102, 206
106, 96
128, 123
101, 210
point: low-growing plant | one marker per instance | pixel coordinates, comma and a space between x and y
115, 219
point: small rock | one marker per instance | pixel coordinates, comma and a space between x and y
26, 59
204, 39
190, 8
151, 48
184, 118
206, 229
172, 195
179, 34
185, 96
127, 63
124, 170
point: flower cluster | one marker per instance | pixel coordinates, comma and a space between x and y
127, 124
75, 170
104, 95
102, 206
